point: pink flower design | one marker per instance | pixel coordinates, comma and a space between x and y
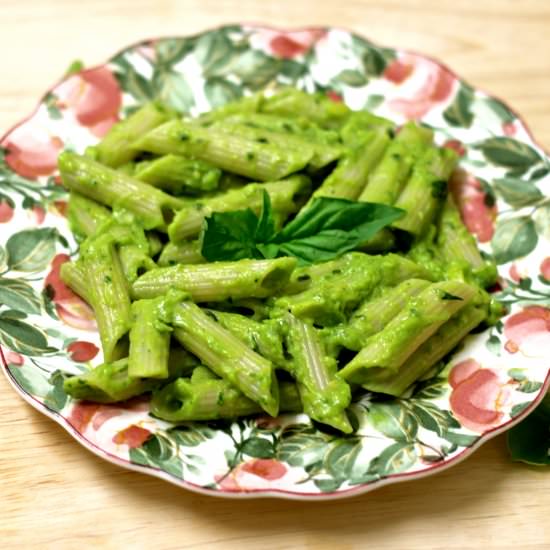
266, 468
456, 146
93, 96
292, 44
38, 214
85, 413
478, 216
31, 151
515, 274
334, 96
134, 436
245, 476
72, 309
81, 415
545, 268
60, 207
82, 351
528, 331
509, 129
428, 85
480, 398
12, 357
6, 211
398, 71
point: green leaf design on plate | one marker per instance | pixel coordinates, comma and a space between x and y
131, 81
213, 50
340, 460
3, 258
31, 249
258, 447
459, 112
499, 109
433, 418
542, 221
301, 445
460, 439
539, 173
19, 295
255, 69
374, 62
509, 153
175, 91
352, 78
31, 380
529, 386
293, 69
190, 436
21, 337
398, 457
171, 51
56, 398
519, 408
518, 193
493, 344
514, 238
220, 91
393, 420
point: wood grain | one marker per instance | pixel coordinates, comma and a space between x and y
55, 494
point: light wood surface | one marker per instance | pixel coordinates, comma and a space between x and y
55, 494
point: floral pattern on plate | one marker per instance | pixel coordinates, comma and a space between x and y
495, 377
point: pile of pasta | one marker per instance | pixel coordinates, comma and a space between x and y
297, 329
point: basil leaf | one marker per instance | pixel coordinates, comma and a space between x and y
325, 230
330, 227
266, 225
230, 236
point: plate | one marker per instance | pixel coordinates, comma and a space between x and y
496, 377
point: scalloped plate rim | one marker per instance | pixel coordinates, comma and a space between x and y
274, 493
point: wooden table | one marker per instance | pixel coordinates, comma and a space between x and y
55, 494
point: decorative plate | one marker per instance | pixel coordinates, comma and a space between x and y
496, 377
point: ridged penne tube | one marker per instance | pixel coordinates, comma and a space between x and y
149, 340
85, 215
457, 244
285, 195
231, 152
154, 208
413, 325
387, 179
350, 175
134, 261
317, 108
107, 383
425, 190
74, 277
184, 252
179, 175
211, 399
226, 355
324, 395
427, 355
264, 337
217, 281
109, 296
115, 147
321, 154
373, 315
330, 299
